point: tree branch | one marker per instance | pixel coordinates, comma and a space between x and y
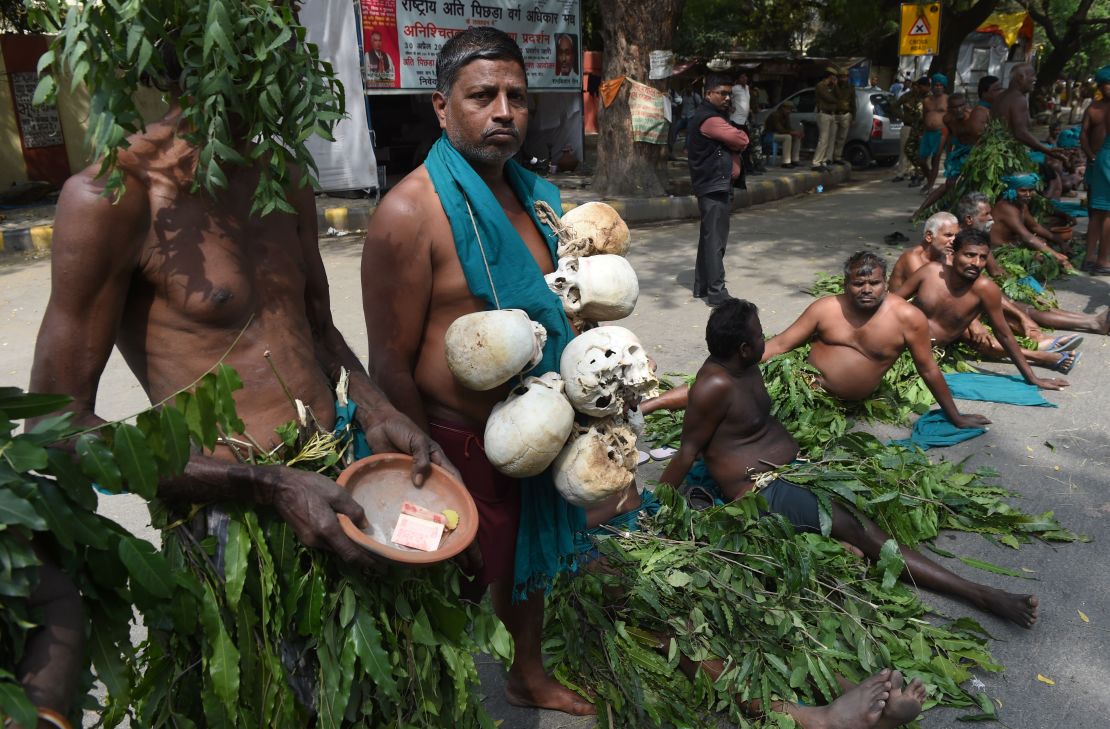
1041, 17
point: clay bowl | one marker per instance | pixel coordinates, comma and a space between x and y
380, 483
1064, 231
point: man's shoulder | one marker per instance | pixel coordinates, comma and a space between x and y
413, 195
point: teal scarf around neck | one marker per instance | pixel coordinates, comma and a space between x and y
545, 539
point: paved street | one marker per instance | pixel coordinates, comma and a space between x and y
775, 250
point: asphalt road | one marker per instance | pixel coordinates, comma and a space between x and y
774, 252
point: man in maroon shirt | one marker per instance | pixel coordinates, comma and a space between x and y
714, 148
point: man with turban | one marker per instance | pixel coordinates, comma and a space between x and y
1014, 223
1093, 140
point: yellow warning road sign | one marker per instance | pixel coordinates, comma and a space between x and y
920, 34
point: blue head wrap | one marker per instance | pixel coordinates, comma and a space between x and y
1103, 75
1068, 138
1017, 182
940, 78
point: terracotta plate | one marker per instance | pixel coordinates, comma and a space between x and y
381, 483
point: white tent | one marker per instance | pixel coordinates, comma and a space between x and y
347, 163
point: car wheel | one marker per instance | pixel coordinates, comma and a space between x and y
858, 155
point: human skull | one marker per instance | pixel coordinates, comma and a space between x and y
603, 369
593, 228
597, 288
525, 433
488, 348
599, 461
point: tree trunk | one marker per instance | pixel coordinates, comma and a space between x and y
631, 29
954, 27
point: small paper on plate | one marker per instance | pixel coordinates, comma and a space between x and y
417, 533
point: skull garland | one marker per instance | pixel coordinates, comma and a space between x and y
488, 348
593, 228
597, 288
588, 230
603, 369
527, 431
599, 461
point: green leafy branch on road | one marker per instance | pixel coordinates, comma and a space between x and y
234, 615
785, 613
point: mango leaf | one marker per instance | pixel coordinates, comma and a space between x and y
15, 511
97, 462
147, 567
17, 405
175, 439
23, 455
15, 704
136, 462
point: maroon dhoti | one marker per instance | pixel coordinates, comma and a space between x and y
497, 497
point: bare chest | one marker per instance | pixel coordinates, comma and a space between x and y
877, 339
214, 266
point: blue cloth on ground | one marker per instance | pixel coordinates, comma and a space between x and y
1008, 389
545, 538
1031, 283
935, 430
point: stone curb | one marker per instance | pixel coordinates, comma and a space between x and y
341, 220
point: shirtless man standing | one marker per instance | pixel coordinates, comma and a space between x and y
935, 106
1095, 141
961, 137
856, 337
988, 90
729, 423
1015, 224
953, 295
415, 286
175, 280
1011, 107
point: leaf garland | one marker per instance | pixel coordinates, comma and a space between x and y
247, 74
235, 623
785, 612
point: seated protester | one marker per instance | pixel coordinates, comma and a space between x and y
936, 245
729, 423
1015, 224
856, 337
952, 295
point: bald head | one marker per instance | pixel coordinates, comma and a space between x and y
1023, 78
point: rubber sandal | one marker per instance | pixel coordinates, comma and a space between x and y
642, 458
1101, 271
663, 453
698, 498
1067, 362
1064, 343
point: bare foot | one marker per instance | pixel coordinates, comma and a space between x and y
858, 708
904, 703
547, 694
1102, 323
1021, 609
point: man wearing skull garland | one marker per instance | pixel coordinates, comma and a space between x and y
457, 236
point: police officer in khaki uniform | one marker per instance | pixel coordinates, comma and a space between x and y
845, 112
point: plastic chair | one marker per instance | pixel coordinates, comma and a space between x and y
775, 155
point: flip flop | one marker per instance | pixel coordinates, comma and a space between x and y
660, 454
698, 498
642, 458
1067, 361
1064, 343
